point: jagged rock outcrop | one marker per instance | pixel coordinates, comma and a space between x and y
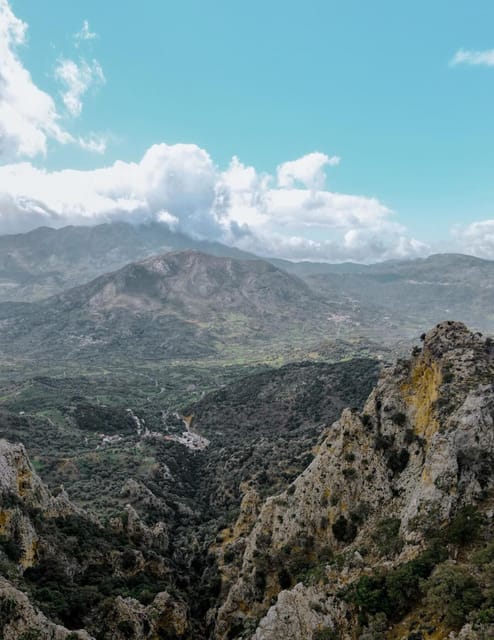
422, 448
163, 618
56, 559
18, 618
21, 486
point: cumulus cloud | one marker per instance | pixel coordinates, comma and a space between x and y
181, 186
178, 179
28, 115
77, 79
29, 118
475, 58
288, 213
84, 34
307, 171
476, 239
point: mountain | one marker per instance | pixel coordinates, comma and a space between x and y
387, 302
46, 261
388, 532
181, 304
407, 294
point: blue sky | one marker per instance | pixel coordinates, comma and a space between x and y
270, 82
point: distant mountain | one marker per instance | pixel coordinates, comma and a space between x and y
409, 294
180, 304
388, 301
46, 261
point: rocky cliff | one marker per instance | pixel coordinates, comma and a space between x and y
393, 511
65, 575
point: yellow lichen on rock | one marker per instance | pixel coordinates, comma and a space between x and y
5, 517
23, 481
420, 393
29, 556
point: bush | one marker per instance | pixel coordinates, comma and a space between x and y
399, 418
397, 461
12, 548
387, 537
395, 593
343, 530
7, 611
454, 593
284, 579
465, 526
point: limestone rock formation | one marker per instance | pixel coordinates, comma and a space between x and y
421, 450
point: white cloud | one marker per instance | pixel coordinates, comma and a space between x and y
476, 58
28, 115
476, 239
94, 143
85, 33
180, 185
289, 213
29, 118
77, 79
307, 171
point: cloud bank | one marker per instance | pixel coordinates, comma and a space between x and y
288, 213
181, 185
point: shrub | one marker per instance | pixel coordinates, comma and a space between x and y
284, 579
397, 461
350, 473
343, 530
7, 611
327, 633
387, 537
454, 593
394, 593
11, 547
399, 418
465, 526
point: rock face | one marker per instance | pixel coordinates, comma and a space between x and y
54, 554
18, 618
422, 449
20, 485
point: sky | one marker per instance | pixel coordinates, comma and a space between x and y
323, 130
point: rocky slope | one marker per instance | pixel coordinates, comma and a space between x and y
181, 304
147, 476
80, 573
385, 534
383, 520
